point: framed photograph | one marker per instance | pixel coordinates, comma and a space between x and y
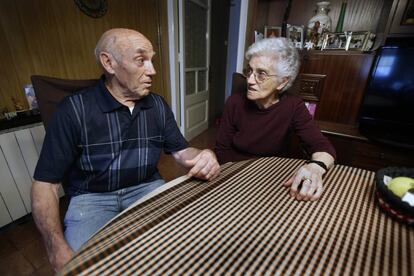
336, 41
272, 31
296, 35
358, 41
403, 21
408, 17
30, 96
257, 36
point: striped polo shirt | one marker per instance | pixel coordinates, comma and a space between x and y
94, 144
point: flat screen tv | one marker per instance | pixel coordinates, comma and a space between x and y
387, 112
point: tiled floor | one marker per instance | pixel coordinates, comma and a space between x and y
21, 248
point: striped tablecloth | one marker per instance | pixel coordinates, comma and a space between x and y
245, 222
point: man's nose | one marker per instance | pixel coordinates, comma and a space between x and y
149, 68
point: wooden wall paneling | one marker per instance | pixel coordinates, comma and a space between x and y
275, 12
8, 189
9, 80
5, 217
347, 75
262, 13
251, 24
17, 166
162, 51
38, 134
56, 39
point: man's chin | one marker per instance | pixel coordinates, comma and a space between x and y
143, 93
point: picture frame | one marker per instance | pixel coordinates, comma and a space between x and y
336, 41
30, 96
295, 34
408, 16
403, 20
272, 31
358, 41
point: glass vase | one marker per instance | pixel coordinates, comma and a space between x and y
319, 24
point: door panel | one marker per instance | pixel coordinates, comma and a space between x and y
196, 66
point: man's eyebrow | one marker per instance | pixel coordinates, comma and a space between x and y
145, 52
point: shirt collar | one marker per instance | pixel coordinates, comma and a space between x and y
108, 103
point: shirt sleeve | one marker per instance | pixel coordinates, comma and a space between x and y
306, 128
174, 141
59, 150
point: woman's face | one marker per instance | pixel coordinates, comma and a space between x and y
264, 92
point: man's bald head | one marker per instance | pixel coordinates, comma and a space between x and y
115, 41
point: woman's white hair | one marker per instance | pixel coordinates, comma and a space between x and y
282, 51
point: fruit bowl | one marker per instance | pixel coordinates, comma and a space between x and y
391, 204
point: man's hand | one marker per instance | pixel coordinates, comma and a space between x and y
310, 176
202, 163
60, 255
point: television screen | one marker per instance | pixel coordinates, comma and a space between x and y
387, 113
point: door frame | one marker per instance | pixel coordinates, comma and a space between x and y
234, 62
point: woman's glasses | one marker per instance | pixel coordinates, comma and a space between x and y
260, 76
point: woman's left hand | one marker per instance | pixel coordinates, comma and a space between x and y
310, 176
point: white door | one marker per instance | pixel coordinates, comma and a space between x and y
194, 23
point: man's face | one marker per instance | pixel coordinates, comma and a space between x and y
133, 68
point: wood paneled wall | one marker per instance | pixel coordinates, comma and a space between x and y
54, 38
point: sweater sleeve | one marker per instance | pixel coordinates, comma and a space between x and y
224, 140
306, 128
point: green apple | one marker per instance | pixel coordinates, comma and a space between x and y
400, 185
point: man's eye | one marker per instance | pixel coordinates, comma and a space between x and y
140, 61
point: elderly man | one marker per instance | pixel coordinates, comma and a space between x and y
105, 142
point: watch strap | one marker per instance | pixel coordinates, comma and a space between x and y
320, 163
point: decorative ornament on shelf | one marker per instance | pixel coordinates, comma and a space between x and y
319, 24
340, 25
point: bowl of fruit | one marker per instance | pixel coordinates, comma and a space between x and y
395, 193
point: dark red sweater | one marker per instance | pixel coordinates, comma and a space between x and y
247, 132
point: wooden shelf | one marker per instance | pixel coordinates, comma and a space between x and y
342, 130
354, 149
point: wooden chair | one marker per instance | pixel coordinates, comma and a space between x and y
50, 91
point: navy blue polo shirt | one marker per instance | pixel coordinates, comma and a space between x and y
94, 144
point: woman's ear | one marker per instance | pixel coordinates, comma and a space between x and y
107, 62
284, 82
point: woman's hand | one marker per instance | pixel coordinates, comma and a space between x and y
310, 176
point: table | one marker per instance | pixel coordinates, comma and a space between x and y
245, 222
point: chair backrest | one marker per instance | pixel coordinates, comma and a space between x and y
50, 91
238, 84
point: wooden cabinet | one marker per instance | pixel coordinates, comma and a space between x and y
343, 90
353, 149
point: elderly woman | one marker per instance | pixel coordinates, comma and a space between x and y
257, 123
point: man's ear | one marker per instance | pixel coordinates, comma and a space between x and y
107, 62
283, 83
